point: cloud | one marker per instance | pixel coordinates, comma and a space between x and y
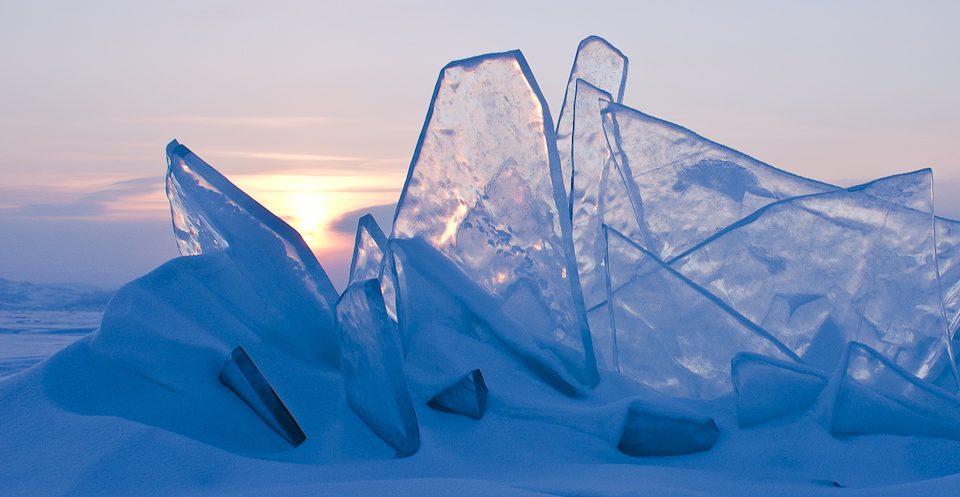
383, 214
78, 204
259, 122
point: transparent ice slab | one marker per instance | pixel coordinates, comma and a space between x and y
769, 388
372, 364
467, 397
948, 263
484, 190
672, 335
242, 376
592, 167
870, 394
822, 270
600, 65
688, 188
210, 213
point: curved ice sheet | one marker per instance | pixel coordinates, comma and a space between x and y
822, 270
210, 213
484, 189
372, 363
670, 334
686, 187
601, 65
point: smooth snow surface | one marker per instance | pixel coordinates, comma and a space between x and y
665, 317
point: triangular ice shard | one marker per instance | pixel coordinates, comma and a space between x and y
688, 187
372, 365
484, 191
672, 335
370, 260
467, 397
870, 394
768, 388
210, 213
367, 251
242, 376
602, 66
822, 270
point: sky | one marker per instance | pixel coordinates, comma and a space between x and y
314, 108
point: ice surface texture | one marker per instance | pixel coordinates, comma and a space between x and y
484, 190
686, 188
821, 270
372, 363
210, 213
242, 376
672, 335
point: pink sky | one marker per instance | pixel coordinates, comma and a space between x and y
315, 109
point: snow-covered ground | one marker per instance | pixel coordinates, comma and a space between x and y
29, 336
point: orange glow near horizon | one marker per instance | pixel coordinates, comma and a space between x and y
310, 204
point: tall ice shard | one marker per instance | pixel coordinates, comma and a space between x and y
600, 65
372, 365
484, 190
211, 213
821, 270
672, 335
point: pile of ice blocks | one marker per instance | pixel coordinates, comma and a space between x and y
614, 245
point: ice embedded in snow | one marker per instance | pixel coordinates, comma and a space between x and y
241, 375
371, 360
768, 388
672, 335
484, 191
870, 394
467, 397
211, 213
592, 166
600, 65
653, 429
686, 187
821, 270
